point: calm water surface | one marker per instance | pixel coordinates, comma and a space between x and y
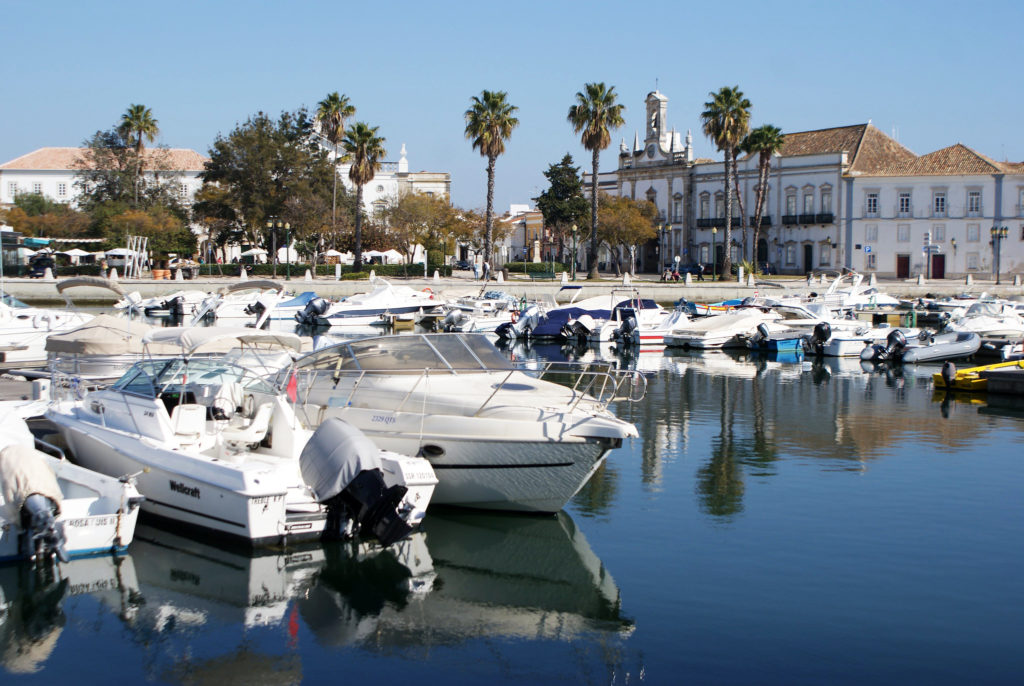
778, 521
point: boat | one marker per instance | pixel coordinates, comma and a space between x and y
178, 304
765, 340
100, 350
486, 312
729, 329
251, 300
376, 307
926, 347
973, 379
990, 319
23, 329
219, 449
53, 509
287, 309
499, 437
631, 320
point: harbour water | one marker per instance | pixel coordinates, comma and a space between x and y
777, 521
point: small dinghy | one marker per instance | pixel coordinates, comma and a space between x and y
927, 347
54, 509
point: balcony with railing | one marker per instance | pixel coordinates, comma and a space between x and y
790, 219
823, 218
766, 220
807, 218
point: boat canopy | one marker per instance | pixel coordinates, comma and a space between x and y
257, 285
451, 352
93, 281
104, 335
220, 338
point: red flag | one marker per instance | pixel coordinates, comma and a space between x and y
293, 387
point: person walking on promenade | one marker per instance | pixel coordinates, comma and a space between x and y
700, 271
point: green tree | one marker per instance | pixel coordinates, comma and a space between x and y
264, 163
166, 232
365, 149
34, 214
106, 172
489, 123
726, 120
138, 123
562, 204
593, 116
624, 223
765, 140
331, 114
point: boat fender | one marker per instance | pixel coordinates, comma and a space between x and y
948, 373
428, 291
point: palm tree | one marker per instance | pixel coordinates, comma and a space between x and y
594, 115
765, 140
489, 123
137, 122
726, 120
331, 114
365, 149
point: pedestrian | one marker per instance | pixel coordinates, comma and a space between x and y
487, 270
700, 271
675, 274
476, 272
666, 274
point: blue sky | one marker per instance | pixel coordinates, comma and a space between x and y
936, 73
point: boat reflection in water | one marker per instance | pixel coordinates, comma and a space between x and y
33, 603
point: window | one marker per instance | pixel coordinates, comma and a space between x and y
791, 252
380, 189
1020, 203
972, 260
872, 262
677, 209
973, 203
939, 205
826, 202
704, 253
719, 206
37, 188
183, 190
825, 254
973, 233
871, 233
705, 202
62, 190
12, 189
791, 204
903, 208
871, 206
808, 203
938, 233
903, 233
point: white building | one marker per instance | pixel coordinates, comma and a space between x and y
847, 196
393, 179
52, 172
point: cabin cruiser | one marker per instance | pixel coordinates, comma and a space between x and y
485, 312
23, 329
374, 308
499, 437
54, 509
218, 448
631, 321
576, 319
989, 319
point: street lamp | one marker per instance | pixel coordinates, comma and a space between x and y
274, 225
714, 256
573, 252
288, 249
999, 234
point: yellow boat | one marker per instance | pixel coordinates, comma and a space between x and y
951, 378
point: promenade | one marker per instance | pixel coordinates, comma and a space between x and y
462, 283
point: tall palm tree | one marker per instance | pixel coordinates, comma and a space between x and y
365, 149
726, 120
594, 115
331, 114
765, 140
137, 122
489, 123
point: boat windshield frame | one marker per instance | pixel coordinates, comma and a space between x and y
455, 353
11, 301
153, 377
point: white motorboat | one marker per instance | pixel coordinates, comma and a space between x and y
178, 304
844, 342
499, 437
727, 330
631, 320
989, 319
100, 350
53, 508
379, 306
218, 448
485, 312
249, 300
23, 329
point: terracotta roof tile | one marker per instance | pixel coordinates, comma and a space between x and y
179, 159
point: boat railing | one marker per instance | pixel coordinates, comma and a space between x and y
599, 381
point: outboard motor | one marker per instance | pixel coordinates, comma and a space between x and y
31, 493
948, 373
895, 342
762, 334
314, 309
822, 332
343, 468
43, 539
175, 307
627, 333
451, 321
257, 308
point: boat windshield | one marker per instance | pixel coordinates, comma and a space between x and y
151, 378
455, 352
10, 300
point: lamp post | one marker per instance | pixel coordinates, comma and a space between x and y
574, 252
273, 243
288, 249
714, 255
999, 234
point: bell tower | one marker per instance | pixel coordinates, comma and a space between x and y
657, 107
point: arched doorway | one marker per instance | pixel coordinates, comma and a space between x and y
808, 257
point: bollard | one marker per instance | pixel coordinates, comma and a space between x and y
1016, 279
373, 274
243, 275
178, 276
872, 281
969, 281
920, 279
48, 275
337, 271
822, 280
810, 279
625, 279
309, 276
739, 275
688, 280
113, 275
750, 280
437, 276
500, 277
565, 278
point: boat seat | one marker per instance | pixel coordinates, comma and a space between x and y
188, 422
254, 431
